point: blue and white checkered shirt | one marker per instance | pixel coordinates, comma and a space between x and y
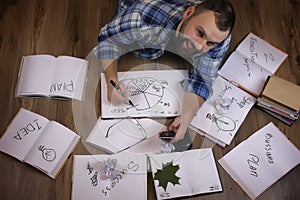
144, 27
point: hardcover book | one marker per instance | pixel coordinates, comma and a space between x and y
251, 63
44, 144
62, 77
262, 159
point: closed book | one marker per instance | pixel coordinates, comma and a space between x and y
282, 92
282, 118
277, 108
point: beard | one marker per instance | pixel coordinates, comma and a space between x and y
184, 45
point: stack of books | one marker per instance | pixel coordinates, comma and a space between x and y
280, 98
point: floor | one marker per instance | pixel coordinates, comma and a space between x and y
70, 27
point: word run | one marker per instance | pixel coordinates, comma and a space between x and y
95, 176
64, 87
28, 128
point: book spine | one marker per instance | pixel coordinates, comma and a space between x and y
279, 104
277, 108
285, 120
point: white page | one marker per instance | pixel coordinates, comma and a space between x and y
22, 133
196, 177
223, 127
155, 93
126, 134
69, 78
262, 52
278, 150
49, 150
36, 74
261, 160
245, 73
88, 184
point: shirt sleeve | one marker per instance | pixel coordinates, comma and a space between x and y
115, 36
205, 68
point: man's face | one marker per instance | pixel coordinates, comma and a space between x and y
199, 33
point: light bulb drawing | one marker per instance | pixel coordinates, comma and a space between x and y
224, 123
48, 154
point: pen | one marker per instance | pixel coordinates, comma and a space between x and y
119, 90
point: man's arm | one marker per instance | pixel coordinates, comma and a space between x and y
191, 104
110, 71
197, 87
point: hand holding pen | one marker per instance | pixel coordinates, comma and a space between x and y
120, 91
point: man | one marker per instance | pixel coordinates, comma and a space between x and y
202, 34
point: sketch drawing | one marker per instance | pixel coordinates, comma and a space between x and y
153, 93
129, 174
48, 154
175, 176
146, 91
128, 135
221, 120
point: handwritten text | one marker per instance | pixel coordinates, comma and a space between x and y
253, 163
28, 128
268, 148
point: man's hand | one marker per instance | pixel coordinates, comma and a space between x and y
191, 104
179, 128
115, 97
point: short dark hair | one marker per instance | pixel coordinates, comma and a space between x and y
225, 15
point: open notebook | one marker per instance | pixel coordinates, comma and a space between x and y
128, 180
251, 63
186, 173
34, 139
218, 126
62, 77
261, 160
128, 135
154, 93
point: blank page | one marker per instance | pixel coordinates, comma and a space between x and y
36, 74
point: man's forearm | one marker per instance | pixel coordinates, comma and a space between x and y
191, 104
110, 70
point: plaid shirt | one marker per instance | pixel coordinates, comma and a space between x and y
144, 27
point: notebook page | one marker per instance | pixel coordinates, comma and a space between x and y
22, 133
49, 151
70, 77
130, 181
261, 160
154, 93
262, 52
221, 126
245, 73
133, 135
199, 176
280, 154
35, 75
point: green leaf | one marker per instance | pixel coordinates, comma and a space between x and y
167, 174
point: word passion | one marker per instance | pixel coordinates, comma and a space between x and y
94, 176
253, 160
31, 127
